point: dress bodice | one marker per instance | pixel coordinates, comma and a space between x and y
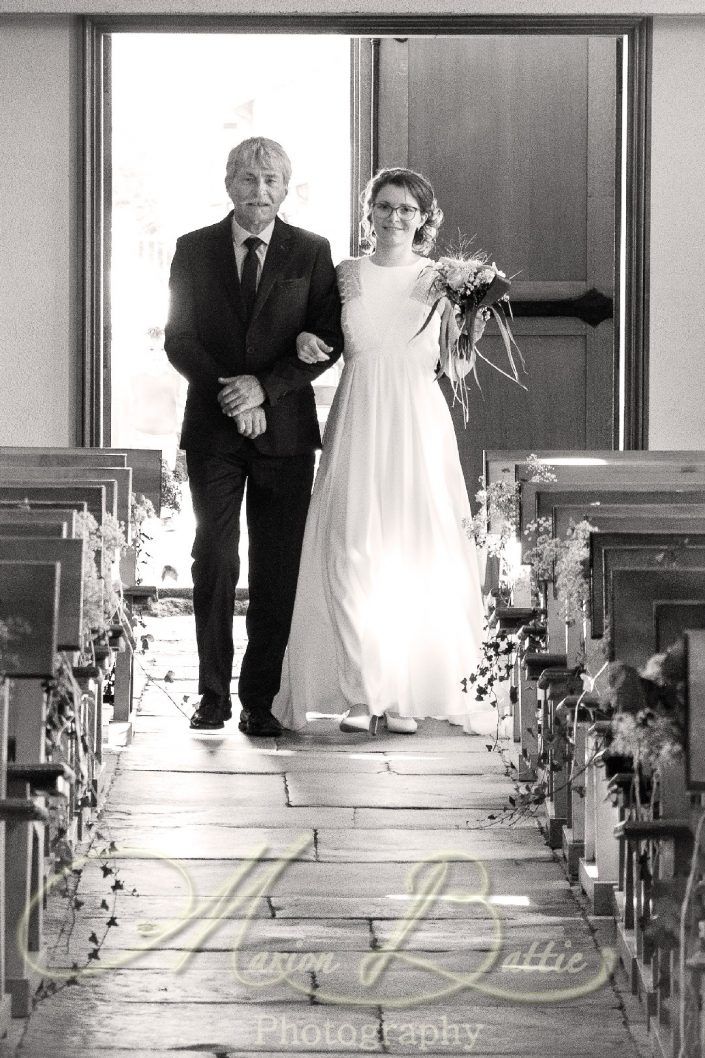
384, 308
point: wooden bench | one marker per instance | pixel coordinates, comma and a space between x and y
71, 608
538, 499
57, 496
116, 470
29, 596
69, 555
145, 463
116, 500
633, 593
623, 550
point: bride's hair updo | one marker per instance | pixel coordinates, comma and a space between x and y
418, 186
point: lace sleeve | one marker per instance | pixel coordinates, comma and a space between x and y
348, 273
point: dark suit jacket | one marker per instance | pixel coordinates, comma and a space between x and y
207, 336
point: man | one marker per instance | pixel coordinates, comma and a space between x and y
241, 292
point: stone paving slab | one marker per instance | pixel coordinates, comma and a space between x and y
398, 845
236, 791
218, 1028
437, 819
552, 908
258, 816
337, 845
528, 879
336, 977
462, 981
187, 934
213, 842
401, 791
204, 755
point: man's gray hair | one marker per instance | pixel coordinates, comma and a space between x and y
260, 150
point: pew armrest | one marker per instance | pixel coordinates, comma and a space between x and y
534, 664
510, 618
43, 778
22, 810
556, 674
654, 830
139, 593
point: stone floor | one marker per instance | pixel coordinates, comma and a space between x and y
323, 894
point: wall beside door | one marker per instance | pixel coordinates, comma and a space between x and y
39, 220
677, 301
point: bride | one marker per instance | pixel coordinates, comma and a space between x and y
388, 616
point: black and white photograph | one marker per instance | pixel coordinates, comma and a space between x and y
352, 528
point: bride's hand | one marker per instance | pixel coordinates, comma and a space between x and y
312, 350
478, 327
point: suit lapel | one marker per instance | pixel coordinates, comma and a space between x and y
224, 257
276, 255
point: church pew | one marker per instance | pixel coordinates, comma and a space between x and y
609, 517
610, 551
49, 529
117, 482
57, 495
123, 662
633, 593
538, 499
69, 555
93, 686
5, 1000
672, 618
650, 607
147, 479
509, 465
654, 472
695, 783
145, 463
38, 516
695, 707
29, 592
61, 457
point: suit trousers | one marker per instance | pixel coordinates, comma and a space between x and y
278, 494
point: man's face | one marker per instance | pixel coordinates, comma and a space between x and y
257, 192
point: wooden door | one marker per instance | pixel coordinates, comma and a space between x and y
517, 135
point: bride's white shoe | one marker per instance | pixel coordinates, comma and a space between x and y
400, 725
359, 721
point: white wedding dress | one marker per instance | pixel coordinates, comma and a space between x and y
388, 606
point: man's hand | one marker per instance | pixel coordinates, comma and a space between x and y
312, 350
240, 393
251, 423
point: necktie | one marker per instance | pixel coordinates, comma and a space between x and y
248, 279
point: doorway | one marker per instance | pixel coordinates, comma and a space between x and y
410, 88
177, 104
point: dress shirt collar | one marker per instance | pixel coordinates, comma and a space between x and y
240, 233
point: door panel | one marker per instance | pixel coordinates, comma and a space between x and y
517, 135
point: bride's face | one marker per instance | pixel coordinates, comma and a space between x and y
396, 217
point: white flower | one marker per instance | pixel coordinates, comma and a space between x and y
455, 278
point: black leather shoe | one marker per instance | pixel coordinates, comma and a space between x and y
259, 724
211, 713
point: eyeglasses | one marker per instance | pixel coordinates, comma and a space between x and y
385, 210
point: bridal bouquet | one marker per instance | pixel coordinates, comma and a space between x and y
478, 291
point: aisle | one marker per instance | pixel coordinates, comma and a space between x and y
353, 815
